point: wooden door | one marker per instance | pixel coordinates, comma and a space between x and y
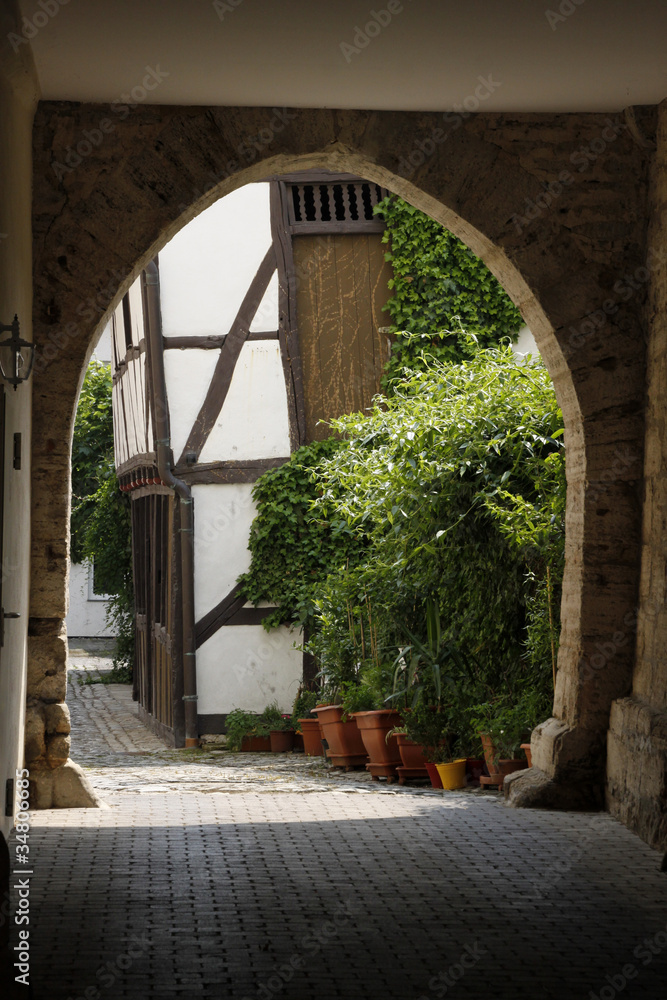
154, 544
339, 319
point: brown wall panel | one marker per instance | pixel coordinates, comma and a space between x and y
339, 314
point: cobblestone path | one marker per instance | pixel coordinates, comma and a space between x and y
180, 888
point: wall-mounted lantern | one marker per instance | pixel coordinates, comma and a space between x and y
16, 355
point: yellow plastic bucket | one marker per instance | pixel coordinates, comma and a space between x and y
453, 775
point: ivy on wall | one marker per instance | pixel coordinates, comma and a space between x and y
292, 553
442, 293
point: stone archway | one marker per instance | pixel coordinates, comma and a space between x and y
554, 204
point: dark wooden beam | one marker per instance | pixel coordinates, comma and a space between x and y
212, 342
227, 472
218, 616
229, 354
350, 227
289, 340
250, 616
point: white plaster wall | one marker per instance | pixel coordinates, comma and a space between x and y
102, 350
253, 422
525, 344
188, 374
205, 270
223, 515
266, 318
243, 666
86, 617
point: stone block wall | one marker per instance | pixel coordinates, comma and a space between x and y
637, 742
556, 205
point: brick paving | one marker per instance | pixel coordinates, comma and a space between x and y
352, 890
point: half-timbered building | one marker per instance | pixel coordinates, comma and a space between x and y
261, 320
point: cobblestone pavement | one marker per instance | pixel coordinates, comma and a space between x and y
347, 891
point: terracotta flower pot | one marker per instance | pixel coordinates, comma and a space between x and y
282, 740
411, 753
343, 738
509, 766
256, 744
490, 754
529, 756
453, 775
374, 727
433, 774
474, 770
312, 737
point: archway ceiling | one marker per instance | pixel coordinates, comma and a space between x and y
602, 56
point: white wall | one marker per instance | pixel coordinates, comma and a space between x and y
525, 344
205, 270
86, 616
243, 666
253, 422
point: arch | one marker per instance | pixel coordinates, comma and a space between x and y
558, 246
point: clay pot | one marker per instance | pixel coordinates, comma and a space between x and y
374, 727
433, 774
256, 744
343, 738
529, 756
474, 771
411, 753
453, 775
312, 737
282, 740
509, 766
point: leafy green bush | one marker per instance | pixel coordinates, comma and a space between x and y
303, 706
238, 725
431, 481
100, 522
449, 495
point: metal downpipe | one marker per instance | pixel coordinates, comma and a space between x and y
151, 281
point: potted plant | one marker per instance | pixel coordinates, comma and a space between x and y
279, 728
245, 732
306, 721
345, 747
501, 727
364, 701
451, 766
424, 730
